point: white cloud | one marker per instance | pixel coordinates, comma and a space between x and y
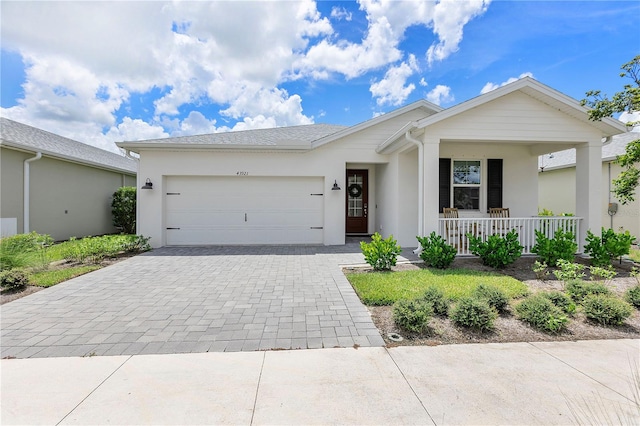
449, 18
341, 13
391, 89
634, 117
423, 82
440, 95
493, 86
135, 130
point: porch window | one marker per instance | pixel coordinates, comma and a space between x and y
466, 184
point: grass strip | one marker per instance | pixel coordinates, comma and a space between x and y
385, 288
49, 278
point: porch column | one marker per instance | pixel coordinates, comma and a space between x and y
588, 188
431, 153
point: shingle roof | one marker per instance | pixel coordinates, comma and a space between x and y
21, 136
295, 135
567, 157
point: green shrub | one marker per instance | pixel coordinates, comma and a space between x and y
561, 246
412, 315
540, 312
17, 251
474, 313
493, 295
379, 253
136, 244
599, 273
540, 269
123, 209
95, 249
435, 297
609, 246
606, 310
569, 271
14, 279
633, 296
578, 289
436, 252
561, 300
496, 252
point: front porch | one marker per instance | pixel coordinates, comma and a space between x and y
455, 231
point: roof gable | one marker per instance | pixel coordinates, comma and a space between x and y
24, 137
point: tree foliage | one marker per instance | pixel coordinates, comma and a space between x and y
628, 100
123, 209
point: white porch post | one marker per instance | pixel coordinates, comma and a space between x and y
588, 188
431, 163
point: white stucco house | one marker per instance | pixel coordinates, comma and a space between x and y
557, 183
392, 174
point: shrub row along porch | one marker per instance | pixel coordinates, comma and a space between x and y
455, 231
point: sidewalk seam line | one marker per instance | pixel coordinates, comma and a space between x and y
581, 372
255, 400
410, 387
95, 389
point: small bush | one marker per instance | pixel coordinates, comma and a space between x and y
540, 269
435, 297
16, 250
606, 310
568, 271
14, 279
496, 252
493, 295
633, 296
561, 300
412, 315
123, 209
540, 312
599, 273
474, 313
436, 252
381, 254
611, 245
578, 289
561, 246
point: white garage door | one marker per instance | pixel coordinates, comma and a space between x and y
204, 210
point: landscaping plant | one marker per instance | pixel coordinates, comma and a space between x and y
497, 251
541, 271
21, 250
474, 313
540, 312
578, 289
605, 309
412, 315
609, 246
569, 271
633, 296
602, 274
435, 297
561, 300
123, 209
550, 250
14, 279
380, 253
493, 295
436, 252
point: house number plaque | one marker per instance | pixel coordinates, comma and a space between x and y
242, 173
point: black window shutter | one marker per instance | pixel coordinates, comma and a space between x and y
445, 183
494, 183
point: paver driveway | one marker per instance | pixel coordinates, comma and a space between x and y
196, 299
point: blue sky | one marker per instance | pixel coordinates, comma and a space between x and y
101, 72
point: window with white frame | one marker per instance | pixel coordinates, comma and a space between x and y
466, 184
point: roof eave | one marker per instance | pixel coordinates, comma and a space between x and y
138, 146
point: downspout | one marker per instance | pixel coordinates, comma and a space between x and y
420, 146
25, 192
609, 184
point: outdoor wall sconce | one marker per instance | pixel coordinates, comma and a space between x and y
148, 184
336, 187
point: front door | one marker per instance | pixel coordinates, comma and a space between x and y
357, 201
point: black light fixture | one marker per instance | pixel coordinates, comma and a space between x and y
336, 187
148, 184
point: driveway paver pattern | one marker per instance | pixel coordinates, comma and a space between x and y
196, 299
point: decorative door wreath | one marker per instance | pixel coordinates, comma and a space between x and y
355, 190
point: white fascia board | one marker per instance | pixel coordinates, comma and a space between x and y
390, 144
137, 146
377, 120
609, 126
56, 156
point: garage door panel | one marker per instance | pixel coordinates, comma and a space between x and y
244, 210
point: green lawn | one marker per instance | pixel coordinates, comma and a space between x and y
49, 278
635, 255
385, 288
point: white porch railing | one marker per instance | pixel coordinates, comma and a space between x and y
455, 231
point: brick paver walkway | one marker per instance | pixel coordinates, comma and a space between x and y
196, 299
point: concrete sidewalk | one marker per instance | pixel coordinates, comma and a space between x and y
516, 383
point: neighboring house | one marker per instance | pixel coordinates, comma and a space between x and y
392, 174
557, 182
57, 186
